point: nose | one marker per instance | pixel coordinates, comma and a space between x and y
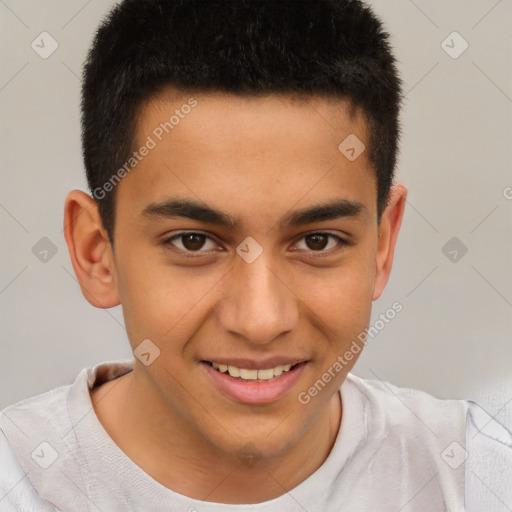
259, 304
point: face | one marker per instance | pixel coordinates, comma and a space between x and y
224, 258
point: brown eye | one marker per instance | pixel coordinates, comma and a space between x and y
318, 241
193, 241
190, 242
321, 242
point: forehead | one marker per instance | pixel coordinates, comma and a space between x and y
291, 110
230, 149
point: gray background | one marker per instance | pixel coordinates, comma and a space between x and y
453, 337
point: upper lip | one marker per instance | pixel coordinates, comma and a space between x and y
257, 364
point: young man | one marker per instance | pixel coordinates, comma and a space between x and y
240, 156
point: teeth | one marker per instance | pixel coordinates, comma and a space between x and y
248, 374
266, 374
245, 374
278, 370
233, 371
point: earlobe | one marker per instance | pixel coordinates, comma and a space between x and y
388, 233
90, 250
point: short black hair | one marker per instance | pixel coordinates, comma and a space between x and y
335, 48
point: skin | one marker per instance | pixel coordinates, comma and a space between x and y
257, 159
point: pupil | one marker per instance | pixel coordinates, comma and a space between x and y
319, 241
193, 242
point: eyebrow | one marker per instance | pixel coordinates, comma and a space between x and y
190, 209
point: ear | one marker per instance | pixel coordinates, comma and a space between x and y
390, 223
90, 250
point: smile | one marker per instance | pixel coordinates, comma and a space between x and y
247, 374
254, 386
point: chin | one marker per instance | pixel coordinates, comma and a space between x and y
256, 445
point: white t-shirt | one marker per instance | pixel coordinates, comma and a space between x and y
397, 450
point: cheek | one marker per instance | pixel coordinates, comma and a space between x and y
340, 296
144, 291
342, 299
160, 301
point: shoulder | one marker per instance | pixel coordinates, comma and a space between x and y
54, 409
458, 434
401, 405
489, 462
21, 427
39, 443
385, 389
45, 411
16, 491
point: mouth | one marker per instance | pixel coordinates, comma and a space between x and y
259, 375
254, 386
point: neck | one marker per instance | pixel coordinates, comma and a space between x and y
164, 446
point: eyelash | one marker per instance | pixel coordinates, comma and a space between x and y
194, 254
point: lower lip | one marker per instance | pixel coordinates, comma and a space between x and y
255, 392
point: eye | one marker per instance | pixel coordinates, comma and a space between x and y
319, 241
190, 241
